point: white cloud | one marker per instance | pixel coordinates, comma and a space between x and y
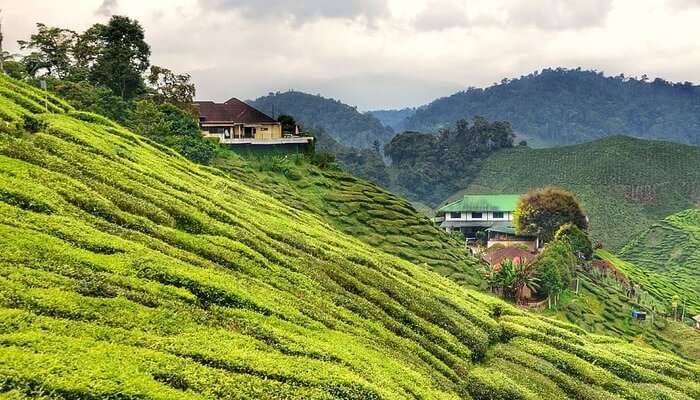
558, 14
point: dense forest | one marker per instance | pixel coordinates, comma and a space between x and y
566, 106
341, 121
428, 168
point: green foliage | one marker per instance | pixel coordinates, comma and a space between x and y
511, 278
173, 127
555, 267
429, 167
172, 88
288, 123
341, 121
51, 51
490, 384
624, 185
566, 106
579, 241
115, 56
128, 272
543, 212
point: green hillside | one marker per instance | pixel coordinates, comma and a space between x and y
128, 272
624, 184
358, 208
671, 249
603, 306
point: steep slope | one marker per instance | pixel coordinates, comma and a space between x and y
341, 121
603, 305
128, 272
560, 106
625, 184
671, 249
360, 209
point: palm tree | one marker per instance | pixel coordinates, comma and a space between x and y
524, 277
513, 277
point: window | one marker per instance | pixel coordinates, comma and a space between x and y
455, 215
263, 129
477, 215
498, 215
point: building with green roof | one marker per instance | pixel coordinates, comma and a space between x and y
488, 213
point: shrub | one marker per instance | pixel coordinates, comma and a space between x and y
579, 241
489, 384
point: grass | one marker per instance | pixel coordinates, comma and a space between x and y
624, 184
127, 272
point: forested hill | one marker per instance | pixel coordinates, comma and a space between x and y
341, 121
562, 106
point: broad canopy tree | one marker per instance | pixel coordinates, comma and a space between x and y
543, 212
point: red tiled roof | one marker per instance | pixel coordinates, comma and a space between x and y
233, 110
496, 257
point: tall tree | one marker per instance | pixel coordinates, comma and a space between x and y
543, 212
51, 51
115, 55
169, 87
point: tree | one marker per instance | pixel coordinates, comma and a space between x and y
555, 267
115, 55
542, 212
511, 278
578, 239
288, 123
51, 51
170, 87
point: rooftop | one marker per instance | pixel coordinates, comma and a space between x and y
495, 257
233, 110
483, 202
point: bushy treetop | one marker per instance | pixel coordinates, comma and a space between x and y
543, 212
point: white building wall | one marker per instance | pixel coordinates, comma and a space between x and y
485, 216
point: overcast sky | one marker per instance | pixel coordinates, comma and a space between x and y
387, 53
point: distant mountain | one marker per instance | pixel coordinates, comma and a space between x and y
563, 106
624, 184
394, 118
341, 121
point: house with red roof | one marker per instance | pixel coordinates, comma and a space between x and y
236, 123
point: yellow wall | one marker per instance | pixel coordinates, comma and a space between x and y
274, 131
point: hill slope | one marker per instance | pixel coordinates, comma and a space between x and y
671, 249
341, 121
560, 106
625, 184
129, 272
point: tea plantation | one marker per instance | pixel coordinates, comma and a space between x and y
624, 184
127, 272
671, 250
358, 208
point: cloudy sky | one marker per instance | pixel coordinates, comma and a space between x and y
387, 53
